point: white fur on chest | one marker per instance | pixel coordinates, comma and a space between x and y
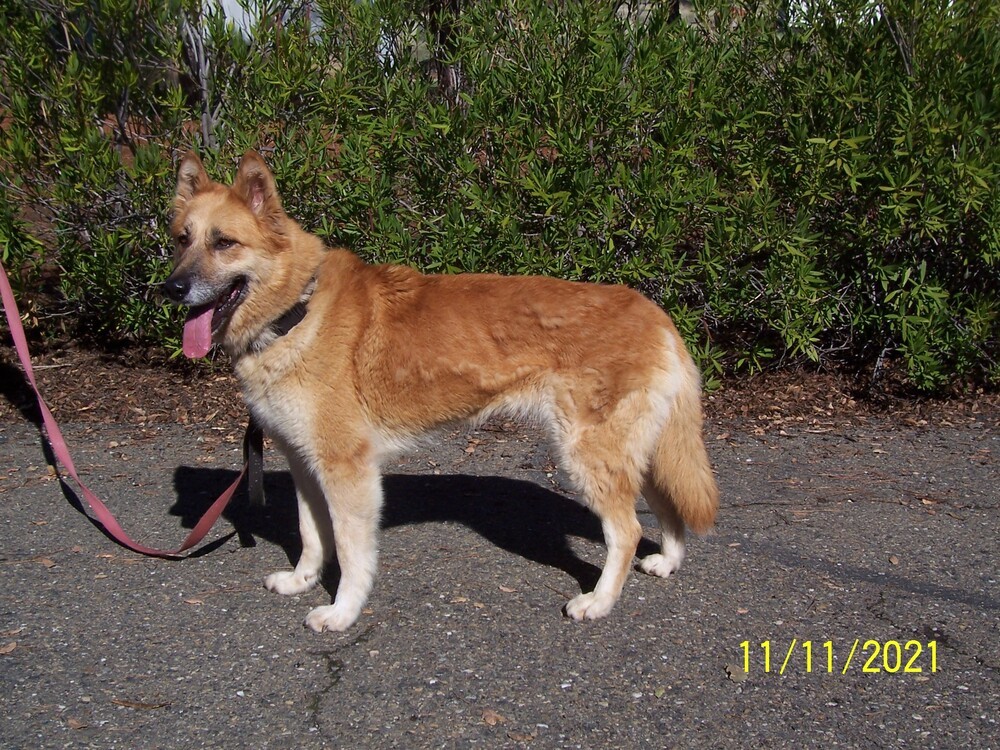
275, 393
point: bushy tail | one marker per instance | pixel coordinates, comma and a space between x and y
680, 467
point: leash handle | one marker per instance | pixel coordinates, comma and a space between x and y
61, 450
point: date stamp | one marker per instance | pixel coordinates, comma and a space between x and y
867, 656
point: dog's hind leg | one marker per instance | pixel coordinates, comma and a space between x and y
671, 553
621, 534
600, 465
354, 494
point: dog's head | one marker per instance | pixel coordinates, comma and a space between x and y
227, 242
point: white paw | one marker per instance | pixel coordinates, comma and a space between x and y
331, 617
660, 565
290, 582
589, 606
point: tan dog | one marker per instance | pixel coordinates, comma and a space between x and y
345, 363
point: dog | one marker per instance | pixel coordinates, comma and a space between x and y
346, 363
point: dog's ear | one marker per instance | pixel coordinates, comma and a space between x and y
255, 184
191, 177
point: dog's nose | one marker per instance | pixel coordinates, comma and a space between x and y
177, 288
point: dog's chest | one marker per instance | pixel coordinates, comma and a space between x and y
275, 395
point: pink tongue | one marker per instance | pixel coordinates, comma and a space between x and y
198, 332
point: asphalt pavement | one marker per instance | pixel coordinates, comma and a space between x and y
848, 598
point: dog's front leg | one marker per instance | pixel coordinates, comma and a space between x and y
355, 504
315, 530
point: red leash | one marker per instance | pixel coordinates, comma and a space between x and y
61, 451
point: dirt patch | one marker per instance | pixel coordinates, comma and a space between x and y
140, 386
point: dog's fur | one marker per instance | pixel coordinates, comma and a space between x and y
385, 354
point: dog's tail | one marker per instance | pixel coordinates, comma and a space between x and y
680, 468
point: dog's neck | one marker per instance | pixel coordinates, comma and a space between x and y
285, 322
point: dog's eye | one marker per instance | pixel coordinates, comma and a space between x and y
224, 243
183, 240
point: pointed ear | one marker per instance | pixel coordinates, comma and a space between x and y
191, 177
254, 183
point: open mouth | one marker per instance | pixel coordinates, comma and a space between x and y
227, 303
204, 321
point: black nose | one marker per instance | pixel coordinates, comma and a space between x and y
177, 287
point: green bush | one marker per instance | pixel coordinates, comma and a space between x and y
815, 185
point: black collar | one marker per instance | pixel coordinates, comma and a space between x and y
290, 319
286, 321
